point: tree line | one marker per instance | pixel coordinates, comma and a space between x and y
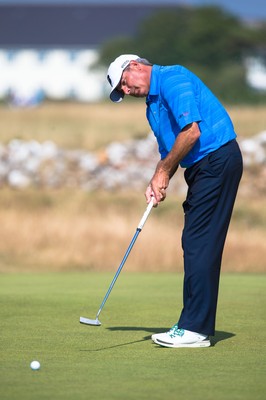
208, 40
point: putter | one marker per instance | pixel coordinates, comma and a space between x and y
96, 321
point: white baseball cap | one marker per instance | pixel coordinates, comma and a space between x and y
115, 72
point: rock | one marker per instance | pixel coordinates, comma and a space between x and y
121, 166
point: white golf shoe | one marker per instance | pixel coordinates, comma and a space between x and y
176, 337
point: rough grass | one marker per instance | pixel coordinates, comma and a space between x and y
66, 230
73, 125
93, 126
40, 320
248, 121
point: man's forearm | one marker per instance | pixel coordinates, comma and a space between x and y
167, 167
182, 146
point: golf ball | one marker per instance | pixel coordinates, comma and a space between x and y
35, 365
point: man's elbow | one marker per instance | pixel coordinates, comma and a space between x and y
194, 132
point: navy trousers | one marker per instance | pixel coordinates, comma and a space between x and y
212, 188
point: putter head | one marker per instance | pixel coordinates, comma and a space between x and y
87, 321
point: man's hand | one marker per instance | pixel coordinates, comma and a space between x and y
167, 167
157, 187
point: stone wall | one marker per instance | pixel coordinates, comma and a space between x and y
122, 165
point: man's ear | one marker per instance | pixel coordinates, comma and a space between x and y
134, 64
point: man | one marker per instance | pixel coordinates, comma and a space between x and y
193, 130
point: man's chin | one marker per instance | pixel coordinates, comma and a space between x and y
139, 95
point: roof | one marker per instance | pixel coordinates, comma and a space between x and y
68, 25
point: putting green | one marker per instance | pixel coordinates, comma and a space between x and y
40, 321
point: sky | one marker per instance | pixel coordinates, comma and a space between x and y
245, 9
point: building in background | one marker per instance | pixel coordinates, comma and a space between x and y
256, 72
30, 75
49, 51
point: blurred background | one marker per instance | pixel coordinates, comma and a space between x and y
54, 49
73, 166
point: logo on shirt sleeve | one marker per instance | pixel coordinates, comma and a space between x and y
184, 114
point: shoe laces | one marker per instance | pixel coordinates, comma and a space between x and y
175, 331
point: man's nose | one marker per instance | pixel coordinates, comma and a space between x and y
125, 89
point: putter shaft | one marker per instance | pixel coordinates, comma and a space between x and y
138, 230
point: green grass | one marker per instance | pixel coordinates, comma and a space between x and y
40, 320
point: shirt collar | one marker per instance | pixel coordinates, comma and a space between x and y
154, 82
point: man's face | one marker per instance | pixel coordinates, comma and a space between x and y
135, 80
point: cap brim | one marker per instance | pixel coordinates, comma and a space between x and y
116, 96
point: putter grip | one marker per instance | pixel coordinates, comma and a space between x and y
145, 215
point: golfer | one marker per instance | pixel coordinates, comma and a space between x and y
194, 131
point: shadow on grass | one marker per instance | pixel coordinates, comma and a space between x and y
219, 336
129, 328
117, 345
138, 328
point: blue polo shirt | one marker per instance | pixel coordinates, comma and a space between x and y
177, 97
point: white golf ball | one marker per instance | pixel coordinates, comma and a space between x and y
35, 365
